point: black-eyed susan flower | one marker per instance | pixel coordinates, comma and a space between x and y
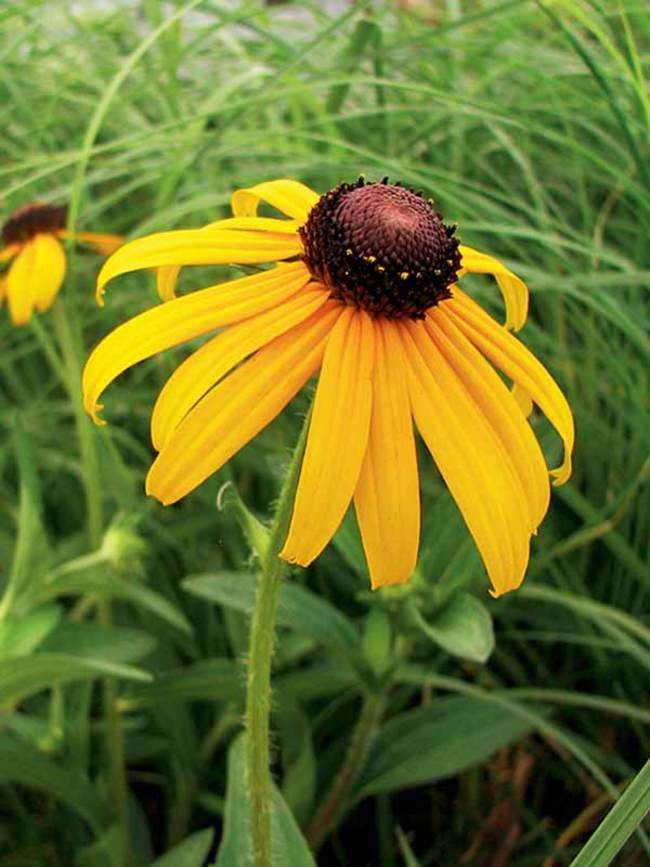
31, 238
366, 291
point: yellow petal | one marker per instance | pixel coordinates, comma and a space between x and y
198, 247
513, 289
167, 276
469, 459
35, 277
239, 407
523, 399
387, 496
205, 367
290, 197
102, 242
9, 252
183, 318
518, 363
3, 287
166, 279
337, 438
500, 409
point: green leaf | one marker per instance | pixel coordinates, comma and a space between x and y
110, 644
257, 535
22, 636
405, 848
192, 852
298, 760
31, 543
626, 814
29, 674
432, 743
22, 763
462, 628
289, 846
111, 586
299, 609
209, 680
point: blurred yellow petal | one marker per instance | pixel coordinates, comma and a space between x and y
35, 277
337, 438
499, 408
198, 247
513, 289
205, 367
183, 318
518, 363
523, 399
101, 242
290, 197
239, 407
466, 452
387, 496
9, 252
166, 279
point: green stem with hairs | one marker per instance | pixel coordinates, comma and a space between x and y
258, 687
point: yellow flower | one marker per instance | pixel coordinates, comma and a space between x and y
35, 276
369, 297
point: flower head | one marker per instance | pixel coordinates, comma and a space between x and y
31, 238
364, 289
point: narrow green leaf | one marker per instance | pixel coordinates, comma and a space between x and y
432, 743
289, 846
21, 763
117, 644
29, 674
207, 680
626, 814
22, 636
299, 609
192, 852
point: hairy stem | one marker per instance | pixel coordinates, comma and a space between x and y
258, 689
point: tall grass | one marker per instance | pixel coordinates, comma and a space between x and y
124, 629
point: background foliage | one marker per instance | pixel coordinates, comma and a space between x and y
123, 628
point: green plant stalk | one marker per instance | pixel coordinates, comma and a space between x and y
67, 337
258, 686
332, 807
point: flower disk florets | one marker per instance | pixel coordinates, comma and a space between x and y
30, 220
381, 247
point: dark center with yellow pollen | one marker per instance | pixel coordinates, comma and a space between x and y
381, 247
32, 219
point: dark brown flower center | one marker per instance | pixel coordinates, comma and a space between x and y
381, 247
31, 219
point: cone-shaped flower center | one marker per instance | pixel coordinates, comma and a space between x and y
381, 247
31, 219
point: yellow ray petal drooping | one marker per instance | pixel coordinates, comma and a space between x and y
387, 496
35, 277
183, 318
337, 438
198, 247
205, 367
239, 407
104, 243
513, 289
166, 279
499, 408
517, 362
469, 459
289, 197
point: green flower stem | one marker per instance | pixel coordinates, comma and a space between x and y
258, 687
331, 808
70, 349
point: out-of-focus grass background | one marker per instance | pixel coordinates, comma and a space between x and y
122, 644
